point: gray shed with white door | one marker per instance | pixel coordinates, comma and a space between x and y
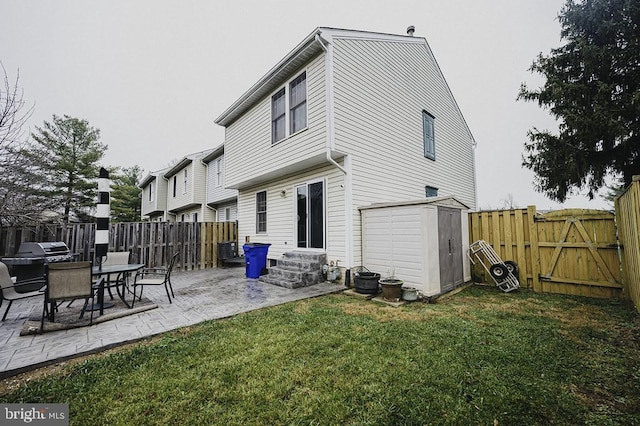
424, 242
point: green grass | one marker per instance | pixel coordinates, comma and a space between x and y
474, 358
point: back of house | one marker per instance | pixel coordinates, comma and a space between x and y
345, 120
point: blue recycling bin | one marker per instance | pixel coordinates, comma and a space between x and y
255, 258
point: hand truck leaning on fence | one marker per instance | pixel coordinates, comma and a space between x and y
502, 273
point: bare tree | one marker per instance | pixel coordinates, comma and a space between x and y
18, 199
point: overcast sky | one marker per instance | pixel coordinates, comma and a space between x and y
153, 75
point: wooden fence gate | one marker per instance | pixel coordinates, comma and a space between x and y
571, 251
578, 253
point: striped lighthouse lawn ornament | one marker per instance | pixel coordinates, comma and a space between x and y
102, 216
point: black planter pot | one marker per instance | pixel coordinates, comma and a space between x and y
366, 282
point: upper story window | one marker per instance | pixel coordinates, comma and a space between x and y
150, 191
428, 134
261, 212
430, 191
175, 185
289, 109
298, 103
184, 181
219, 171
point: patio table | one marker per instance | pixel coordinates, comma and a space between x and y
108, 270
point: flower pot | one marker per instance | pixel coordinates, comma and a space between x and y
391, 289
409, 294
366, 282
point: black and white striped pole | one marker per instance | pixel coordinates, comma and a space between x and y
102, 216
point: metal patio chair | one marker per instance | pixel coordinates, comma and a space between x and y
67, 281
154, 276
8, 289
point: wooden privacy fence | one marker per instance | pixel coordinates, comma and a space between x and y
628, 219
571, 251
151, 243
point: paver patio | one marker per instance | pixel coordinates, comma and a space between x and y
200, 295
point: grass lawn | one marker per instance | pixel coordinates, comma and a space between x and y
478, 357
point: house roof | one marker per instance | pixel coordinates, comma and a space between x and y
150, 177
294, 60
186, 161
448, 200
217, 152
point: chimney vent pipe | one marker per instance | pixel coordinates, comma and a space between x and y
410, 30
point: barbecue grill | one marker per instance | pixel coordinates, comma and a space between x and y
30, 260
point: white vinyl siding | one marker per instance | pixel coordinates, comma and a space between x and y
158, 202
192, 192
281, 232
381, 89
216, 191
227, 212
250, 155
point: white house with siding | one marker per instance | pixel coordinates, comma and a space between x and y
220, 198
154, 197
346, 119
186, 190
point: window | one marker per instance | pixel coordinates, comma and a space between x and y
430, 191
184, 190
175, 185
261, 212
227, 214
428, 135
219, 172
298, 103
278, 118
150, 191
289, 109
194, 217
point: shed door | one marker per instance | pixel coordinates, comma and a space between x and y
450, 248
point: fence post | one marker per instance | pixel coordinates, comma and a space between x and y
535, 255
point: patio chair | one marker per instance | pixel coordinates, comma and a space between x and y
65, 281
117, 258
154, 276
8, 289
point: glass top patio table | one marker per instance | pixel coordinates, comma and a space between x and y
108, 270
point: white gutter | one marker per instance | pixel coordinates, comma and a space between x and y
348, 186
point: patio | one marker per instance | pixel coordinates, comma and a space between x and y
200, 295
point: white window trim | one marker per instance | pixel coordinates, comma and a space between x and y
287, 111
185, 179
266, 212
219, 176
324, 211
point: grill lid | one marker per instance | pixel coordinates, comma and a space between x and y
48, 249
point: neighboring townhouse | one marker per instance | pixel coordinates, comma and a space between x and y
346, 119
154, 197
223, 200
187, 189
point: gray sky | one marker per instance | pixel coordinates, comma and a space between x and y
153, 75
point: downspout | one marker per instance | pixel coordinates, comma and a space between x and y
348, 193
329, 104
206, 192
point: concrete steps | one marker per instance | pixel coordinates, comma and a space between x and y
297, 269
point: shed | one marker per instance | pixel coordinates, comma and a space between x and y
423, 243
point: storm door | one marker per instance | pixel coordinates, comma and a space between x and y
310, 215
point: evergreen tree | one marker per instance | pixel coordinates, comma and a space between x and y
125, 194
593, 89
66, 153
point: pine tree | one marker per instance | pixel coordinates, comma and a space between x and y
593, 89
66, 153
125, 194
